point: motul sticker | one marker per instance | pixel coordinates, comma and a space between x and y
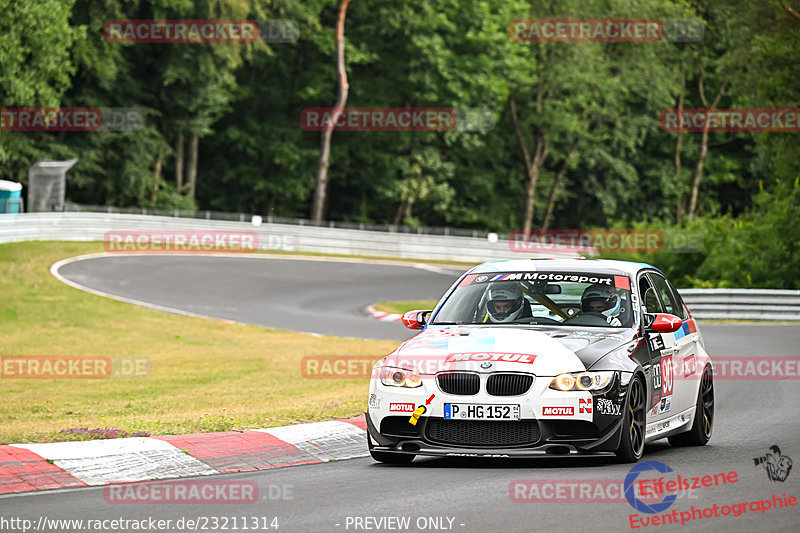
558, 411
491, 356
401, 407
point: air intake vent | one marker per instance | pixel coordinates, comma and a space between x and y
480, 433
508, 384
460, 383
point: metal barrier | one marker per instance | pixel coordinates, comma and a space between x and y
742, 304
738, 304
71, 226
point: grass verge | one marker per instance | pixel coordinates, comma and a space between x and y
403, 307
206, 375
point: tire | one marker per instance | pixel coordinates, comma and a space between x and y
392, 458
703, 424
631, 443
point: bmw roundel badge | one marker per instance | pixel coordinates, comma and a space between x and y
486, 364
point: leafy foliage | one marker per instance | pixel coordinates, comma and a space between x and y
595, 106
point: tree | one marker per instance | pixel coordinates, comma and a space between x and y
341, 99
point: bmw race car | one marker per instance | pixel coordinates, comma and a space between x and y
531, 358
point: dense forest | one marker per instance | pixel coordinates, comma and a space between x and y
569, 135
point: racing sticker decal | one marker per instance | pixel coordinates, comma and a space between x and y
401, 407
605, 406
689, 366
491, 356
468, 279
558, 411
585, 405
662, 376
656, 343
656, 398
576, 277
666, 375
663, 405
374, 401
662, 384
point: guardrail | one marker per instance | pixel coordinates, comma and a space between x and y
739, 304
742, 304
90, 226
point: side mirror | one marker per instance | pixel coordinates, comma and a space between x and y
415, 319
663, 323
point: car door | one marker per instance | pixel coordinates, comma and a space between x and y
683, 343
660, 359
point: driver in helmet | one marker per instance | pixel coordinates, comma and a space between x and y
602, 300
506, 302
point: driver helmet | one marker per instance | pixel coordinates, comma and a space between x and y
601, 299
505, 302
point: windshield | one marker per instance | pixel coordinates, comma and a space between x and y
570, 298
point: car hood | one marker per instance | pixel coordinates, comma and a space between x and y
542, 351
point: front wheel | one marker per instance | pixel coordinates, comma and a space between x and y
703, 424
631, 445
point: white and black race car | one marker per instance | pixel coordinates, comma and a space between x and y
530, 358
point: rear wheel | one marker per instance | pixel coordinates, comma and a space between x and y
703, 424
631, 445
392, 458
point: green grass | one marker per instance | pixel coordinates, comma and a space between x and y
405, 306
206, 375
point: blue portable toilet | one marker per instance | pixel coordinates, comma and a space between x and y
10, 197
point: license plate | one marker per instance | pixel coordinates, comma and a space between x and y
472, 411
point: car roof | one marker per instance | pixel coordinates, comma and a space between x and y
561, 265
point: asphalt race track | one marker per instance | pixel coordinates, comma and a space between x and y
319, 296
326, 297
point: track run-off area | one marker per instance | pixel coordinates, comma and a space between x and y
328, 296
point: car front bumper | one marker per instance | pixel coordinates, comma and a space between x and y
538, 433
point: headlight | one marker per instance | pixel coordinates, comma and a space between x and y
582, 381
400, 377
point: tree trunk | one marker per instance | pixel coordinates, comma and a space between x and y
179, 162
191, 177
554, 190
678, 149
157, 174
788, 10
320, 192
398, 215
698, 171
533, 165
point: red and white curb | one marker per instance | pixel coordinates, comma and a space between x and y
27, 467
380, 315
